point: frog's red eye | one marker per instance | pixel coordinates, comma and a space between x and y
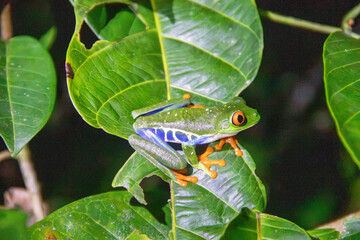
238, 118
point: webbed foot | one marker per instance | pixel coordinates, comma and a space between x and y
233, 142
187, 96
182, 179
203, 158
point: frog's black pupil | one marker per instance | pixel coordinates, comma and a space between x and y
240, 118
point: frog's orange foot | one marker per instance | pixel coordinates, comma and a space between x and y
233, 142
194, 106
187, 96
203, 158
182, 179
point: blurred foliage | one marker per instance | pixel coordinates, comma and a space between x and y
13, 225
298, 154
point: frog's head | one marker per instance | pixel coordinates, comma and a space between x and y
235, 116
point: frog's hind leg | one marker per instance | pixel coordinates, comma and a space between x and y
183, 179
190, 105
162, 155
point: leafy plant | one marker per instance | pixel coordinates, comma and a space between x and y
150, 51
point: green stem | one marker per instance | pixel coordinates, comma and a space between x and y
351, 15
172, 206
297, 22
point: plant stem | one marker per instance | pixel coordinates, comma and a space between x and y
6, 24
31, 183
299, 23
349, 17
173, 217
5, 155
338, 224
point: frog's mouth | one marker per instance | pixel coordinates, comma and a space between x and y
218, 136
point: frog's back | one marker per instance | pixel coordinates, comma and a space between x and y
179, 125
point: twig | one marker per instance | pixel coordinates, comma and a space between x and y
5, 155
300, 23
348, 19
339, 223
6, 24
31, 183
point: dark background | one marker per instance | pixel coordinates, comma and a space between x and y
309, 177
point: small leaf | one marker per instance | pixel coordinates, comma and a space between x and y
352, 229
324, 234
133, 172
342, 85
13, 225
27, 90
250, 225
122, 24
48, 39
273, 227
103, 216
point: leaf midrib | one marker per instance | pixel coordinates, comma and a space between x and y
9, 94
163, 55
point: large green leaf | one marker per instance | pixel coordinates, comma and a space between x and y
211, 202
27, 90
104, 216
13, 225
342, 86
210, 49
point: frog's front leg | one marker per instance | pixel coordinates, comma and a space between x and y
233, 142
162, 156
202, 162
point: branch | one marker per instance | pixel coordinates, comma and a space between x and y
6, 24
31, 183
348, 19
300, 23
339, 223
5, 155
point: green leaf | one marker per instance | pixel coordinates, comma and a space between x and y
48, 39
209, 49
342, 85
324, 234
111, 23
212, 202
104, 216
13, 225
132, 173
250, 225
27, 90
352, 229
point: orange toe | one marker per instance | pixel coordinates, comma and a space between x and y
203, 158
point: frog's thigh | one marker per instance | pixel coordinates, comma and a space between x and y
154, 152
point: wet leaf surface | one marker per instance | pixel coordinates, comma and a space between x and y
342, 85
27, 90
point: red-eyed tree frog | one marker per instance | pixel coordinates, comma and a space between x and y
178, 121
